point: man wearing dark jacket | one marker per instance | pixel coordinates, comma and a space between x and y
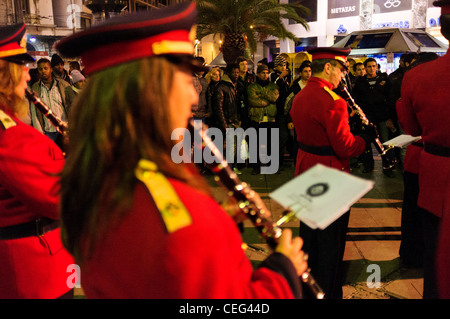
245, 78
224, 107
371, 93
59, 72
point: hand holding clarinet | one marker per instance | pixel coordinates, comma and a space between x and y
291, 248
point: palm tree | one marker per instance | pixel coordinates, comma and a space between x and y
245, 22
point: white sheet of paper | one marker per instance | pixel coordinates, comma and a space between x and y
402, 140
321, 195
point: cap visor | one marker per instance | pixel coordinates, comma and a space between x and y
20, 58
343, 64
186, 60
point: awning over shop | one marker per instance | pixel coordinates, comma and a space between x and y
391, 40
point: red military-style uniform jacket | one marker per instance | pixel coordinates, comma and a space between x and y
412, 157
142, 258
320, 119
30, 267
423, 110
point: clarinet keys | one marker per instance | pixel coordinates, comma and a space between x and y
309, 279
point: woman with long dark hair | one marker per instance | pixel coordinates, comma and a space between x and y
139, 224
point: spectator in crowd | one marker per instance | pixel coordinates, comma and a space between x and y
213, 77
75, 65
244, 80
34, 77
262, 97
262, 61
51, 91
200, 110
281, 77
300, 82
358, 70
297, 86
72, 91
350, 65
371, 93
59, 72
225, 113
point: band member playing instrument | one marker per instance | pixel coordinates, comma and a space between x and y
33, 262
138, 224
423, 110
320, 120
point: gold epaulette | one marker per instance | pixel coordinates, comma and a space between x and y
173, 212
332, 93
6, 121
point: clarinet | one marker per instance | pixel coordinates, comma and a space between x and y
387, 163
250, 203
60, 126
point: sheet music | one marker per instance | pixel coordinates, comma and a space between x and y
321, 195
402, 140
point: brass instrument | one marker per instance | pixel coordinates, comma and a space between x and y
365, 123
250, 203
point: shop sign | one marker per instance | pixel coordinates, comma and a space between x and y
434, 22
341, 29
342, 8
383, 6
392, 24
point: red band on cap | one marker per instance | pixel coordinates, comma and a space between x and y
11, 49
327, 55
120, 52
445, 9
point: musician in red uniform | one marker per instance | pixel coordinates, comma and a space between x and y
320, 120
423, 110
33, 262
139, 224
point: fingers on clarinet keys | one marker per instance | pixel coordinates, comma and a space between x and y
312, 284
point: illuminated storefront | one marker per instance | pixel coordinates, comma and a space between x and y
387, 45
333, 20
